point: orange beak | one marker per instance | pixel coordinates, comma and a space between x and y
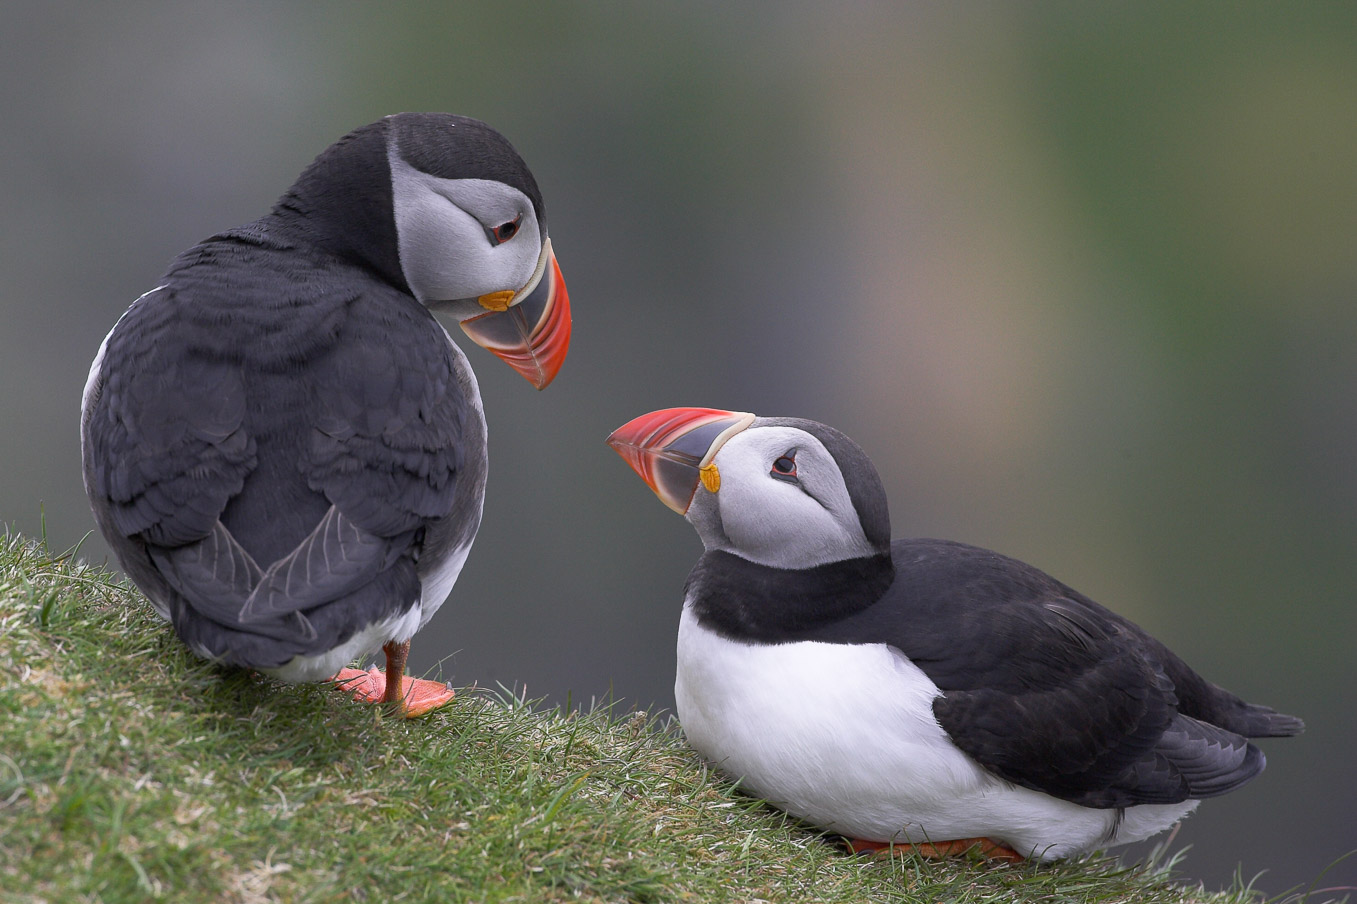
672, 449
533, 334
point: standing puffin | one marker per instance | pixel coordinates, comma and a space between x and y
916, 692
283, 447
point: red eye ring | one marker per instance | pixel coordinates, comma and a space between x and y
785, 465
505, 231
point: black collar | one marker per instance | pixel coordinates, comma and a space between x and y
745, 601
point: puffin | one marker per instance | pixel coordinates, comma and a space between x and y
916, 693
283, 446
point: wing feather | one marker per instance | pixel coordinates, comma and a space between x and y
335, 559
1050, 691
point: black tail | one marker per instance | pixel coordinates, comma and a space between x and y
1254, 721
1211, 703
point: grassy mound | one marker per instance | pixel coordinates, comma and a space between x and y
130, 771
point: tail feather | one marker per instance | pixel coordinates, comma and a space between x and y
1255, 721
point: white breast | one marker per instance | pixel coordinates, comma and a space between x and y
843, 737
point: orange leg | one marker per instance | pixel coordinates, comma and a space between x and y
940, 849
411, 696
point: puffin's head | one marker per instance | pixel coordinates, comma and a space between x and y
443, 207
784, 492
472, 233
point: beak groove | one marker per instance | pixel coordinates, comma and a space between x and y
672, 449
533, 334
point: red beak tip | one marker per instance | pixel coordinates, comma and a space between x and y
666, 447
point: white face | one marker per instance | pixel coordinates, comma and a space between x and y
788, 520
452, 237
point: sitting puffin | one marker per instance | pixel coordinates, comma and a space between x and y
916, 692
283, 447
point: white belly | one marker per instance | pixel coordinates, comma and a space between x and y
843, 737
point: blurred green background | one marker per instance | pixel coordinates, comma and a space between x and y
1079, 277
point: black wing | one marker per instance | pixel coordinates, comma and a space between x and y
1051, 691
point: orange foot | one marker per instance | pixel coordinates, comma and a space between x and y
418, 696
939, 849
411, 696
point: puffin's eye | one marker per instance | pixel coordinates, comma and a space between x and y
784, 468
505, 231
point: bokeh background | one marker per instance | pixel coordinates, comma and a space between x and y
1081, 278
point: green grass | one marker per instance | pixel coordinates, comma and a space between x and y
130, 771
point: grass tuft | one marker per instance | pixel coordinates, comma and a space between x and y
131, 771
